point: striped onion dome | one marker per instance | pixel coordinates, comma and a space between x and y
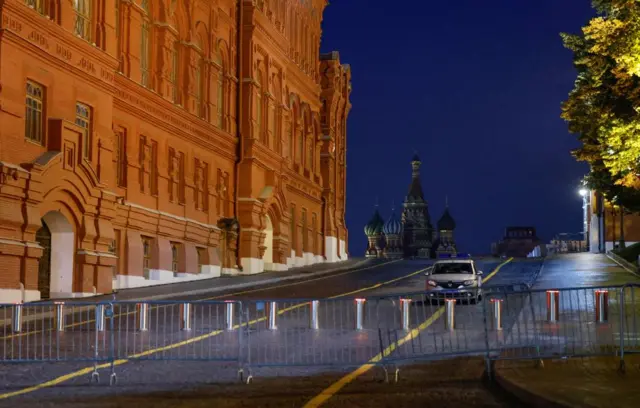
393, 226
374, 226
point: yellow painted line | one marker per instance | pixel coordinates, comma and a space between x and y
377, 285
266, 287
119, 362
334, 388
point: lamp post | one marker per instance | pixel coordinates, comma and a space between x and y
586, 197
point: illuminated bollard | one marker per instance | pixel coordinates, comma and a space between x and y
17, 318
360, 314
553, 305
185, 316
497, 314
60, 316
602, 306
404, 304
100, 326
450, 314
272, 313
230, 312
314, 322
143, 316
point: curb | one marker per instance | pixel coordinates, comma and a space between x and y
614, 257
362, 265
530, 398
525, 396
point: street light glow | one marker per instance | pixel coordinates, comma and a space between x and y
583, 192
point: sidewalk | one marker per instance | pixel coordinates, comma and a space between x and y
582, 382
201, 287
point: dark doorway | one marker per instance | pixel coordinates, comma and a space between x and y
43, 236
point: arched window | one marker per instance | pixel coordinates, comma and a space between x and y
44, 7
292, 229
292, 135
300, 144
259, 92
199, 89
84, 16
220, 91
175, 66
118, 36
145, 46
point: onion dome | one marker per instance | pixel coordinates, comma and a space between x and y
446, 222
393, 226
375, 225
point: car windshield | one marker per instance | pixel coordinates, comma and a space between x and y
452, 268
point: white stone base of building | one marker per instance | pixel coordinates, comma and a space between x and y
163, 277
319, 259
275, 267
73, 295
331, 249
309, 258
251, 266
19, 295
211, 271
343, 251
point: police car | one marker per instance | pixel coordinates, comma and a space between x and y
454, 278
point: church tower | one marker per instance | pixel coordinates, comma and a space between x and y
373, 231
446, 225
418, 231
393, 237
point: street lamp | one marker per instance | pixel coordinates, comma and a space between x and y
585, 215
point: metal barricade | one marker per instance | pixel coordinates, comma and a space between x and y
341, 332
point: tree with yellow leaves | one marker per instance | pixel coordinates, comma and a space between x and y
603, 109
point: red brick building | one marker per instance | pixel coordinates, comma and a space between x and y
157, 141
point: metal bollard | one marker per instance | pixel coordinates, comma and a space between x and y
272, 313
17, 318
450, 314
497, 314
185, 316
553, 305
230, 312
314, 322
404, 304
60, 316
143, 316
360, 313
100, 326
602, 305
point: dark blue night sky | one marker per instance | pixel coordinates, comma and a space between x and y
475, 87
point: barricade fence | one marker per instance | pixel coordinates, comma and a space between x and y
513, 322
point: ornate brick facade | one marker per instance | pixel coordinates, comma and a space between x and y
156, 141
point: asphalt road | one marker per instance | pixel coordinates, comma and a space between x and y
293, 350
293, 344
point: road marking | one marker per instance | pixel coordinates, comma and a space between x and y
214, 333
334, 388
329, 275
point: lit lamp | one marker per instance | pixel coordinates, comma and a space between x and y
584, 192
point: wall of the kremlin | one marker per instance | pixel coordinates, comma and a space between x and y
166, 141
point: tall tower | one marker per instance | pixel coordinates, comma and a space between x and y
446, 225
418, 231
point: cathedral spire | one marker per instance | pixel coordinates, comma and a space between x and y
415, 190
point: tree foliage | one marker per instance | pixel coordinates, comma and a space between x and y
603, 109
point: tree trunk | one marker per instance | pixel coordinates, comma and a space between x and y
622, 243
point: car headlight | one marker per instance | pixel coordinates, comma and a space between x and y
432, 283
469, 283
